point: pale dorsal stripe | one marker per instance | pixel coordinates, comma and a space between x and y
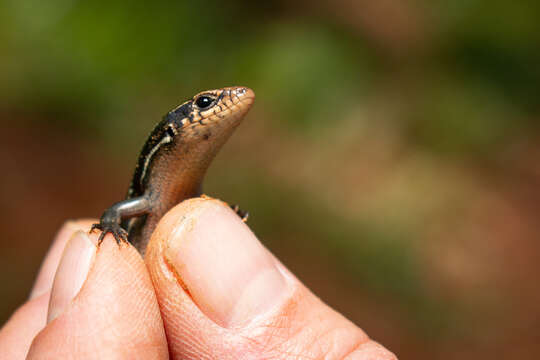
166, 139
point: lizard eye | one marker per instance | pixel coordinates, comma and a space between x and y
204, 102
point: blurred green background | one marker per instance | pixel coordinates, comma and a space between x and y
390, 161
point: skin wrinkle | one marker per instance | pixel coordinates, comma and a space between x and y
271, 342
298, 327
382, 351
334, 346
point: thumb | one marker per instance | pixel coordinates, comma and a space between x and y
224, 296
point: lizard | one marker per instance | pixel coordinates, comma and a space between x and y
173, 161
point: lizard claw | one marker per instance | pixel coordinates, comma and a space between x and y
115, 229
243, 214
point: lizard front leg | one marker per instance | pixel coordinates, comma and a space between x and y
112, 217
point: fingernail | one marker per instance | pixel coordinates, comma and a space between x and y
46, 273
72, 271
230, 276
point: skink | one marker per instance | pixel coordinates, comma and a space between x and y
173, 162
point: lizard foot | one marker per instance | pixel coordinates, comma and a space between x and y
244, 215
113, 228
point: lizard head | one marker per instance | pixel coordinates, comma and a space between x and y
201, 125
212, 113
229, 104
189, 136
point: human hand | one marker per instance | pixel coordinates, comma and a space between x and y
222, 295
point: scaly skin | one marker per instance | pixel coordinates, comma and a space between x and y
174, 160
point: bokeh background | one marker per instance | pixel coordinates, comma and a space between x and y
391, 160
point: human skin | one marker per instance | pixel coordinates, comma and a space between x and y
209, 290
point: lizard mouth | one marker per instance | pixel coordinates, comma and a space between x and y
236, 98
245, 94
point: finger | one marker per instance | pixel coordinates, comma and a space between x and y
17, 334
224, 296
102, 305
46, 273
